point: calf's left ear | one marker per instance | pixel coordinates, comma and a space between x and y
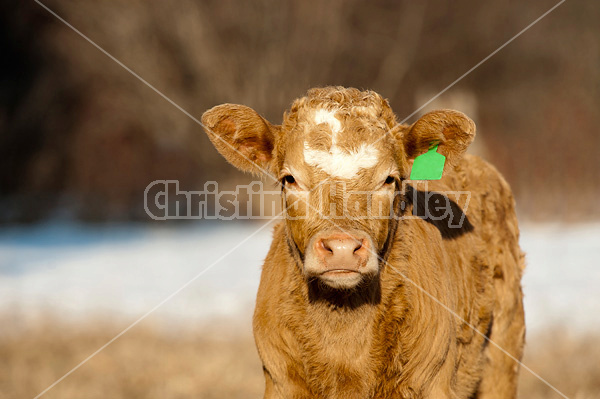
451, 131
242, 136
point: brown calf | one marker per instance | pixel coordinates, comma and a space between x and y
369, 290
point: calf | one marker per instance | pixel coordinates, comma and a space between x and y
376, 293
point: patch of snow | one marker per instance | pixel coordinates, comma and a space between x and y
562, 278
77, 271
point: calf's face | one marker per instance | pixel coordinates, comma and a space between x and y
339, 156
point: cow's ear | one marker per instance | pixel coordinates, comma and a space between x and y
242, 136
451, 130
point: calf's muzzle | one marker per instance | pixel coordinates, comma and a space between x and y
341, 253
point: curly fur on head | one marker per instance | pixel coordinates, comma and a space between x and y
346, 100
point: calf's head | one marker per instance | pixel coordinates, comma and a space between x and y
340, 157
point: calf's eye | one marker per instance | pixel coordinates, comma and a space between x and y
389, 180
289, 179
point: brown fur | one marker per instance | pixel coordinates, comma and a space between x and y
409, 331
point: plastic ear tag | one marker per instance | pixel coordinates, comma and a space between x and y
428, 166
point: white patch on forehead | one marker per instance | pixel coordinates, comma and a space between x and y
326, 116
337, 162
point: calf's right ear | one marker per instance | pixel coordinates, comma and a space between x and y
242, 136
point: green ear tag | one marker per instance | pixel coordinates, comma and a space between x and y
428, 166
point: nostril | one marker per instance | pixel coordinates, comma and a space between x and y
325, 246
359, 245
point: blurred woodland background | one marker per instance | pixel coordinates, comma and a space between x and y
81, 137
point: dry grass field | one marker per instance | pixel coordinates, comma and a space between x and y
213, 363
